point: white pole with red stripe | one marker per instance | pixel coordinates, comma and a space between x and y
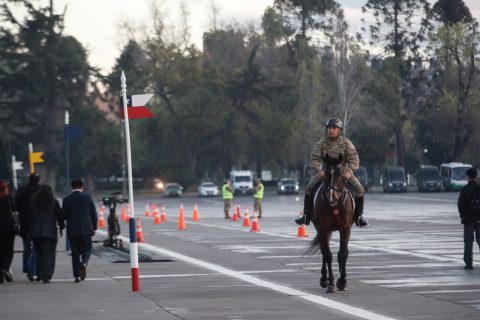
132, 227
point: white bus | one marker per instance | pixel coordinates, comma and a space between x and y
453, 175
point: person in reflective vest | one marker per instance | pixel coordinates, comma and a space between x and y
227, 193
258, 196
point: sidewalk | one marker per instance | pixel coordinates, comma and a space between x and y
100, 296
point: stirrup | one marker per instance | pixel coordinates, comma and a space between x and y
301, 220
361, 221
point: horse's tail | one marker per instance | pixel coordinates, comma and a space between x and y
314, 246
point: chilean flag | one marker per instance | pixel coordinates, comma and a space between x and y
136, 106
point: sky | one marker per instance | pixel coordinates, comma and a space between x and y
95, 22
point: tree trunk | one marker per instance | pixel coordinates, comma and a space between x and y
400, 146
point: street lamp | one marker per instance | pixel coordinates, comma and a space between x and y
425, 152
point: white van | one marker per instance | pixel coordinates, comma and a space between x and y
242, 181
453, 175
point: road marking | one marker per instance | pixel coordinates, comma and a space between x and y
352, 245
450, 291
351, 310
423, 199
358, 312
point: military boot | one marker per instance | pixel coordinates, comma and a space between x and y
360, 220
307, 211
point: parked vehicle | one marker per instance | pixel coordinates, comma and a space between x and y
288, 186
428, 179
207, 188
173, 189
394, 180
453, 175
362, 176
242, 181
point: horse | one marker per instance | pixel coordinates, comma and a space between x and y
333, 211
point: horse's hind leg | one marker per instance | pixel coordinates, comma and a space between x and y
342, 260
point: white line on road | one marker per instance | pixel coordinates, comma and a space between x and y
358, 312
342, 307
449, 291
422, 199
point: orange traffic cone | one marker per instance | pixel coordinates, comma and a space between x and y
154, 206
255, 226
147, 210
156, 216
236, 213
139, 231
246, 219
163, 217
101, 219
302, 232
124, 213
195, 213
181, 219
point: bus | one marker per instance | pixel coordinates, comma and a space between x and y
453, 175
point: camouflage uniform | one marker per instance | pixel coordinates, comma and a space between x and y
334, 148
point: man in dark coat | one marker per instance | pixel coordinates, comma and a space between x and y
23, 201
81, 216
470, 221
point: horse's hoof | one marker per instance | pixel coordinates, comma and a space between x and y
330, 289
341, 285
323, 283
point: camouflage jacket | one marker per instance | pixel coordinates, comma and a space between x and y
334, 149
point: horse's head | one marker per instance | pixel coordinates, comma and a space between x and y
335, 181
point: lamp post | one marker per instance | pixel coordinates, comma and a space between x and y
425, 152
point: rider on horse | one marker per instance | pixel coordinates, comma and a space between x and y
334, 145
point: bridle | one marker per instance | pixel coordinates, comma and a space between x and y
333, 194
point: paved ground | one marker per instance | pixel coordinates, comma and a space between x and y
407, 265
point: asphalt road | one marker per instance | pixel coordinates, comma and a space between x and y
406, 265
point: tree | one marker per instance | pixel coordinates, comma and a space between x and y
46, 72
451, 12
456, 53
307, 11
348, 66
400, 27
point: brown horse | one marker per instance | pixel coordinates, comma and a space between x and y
333, 210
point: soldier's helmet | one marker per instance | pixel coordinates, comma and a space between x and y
334, 122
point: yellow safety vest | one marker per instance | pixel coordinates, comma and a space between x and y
259, 193
226, 193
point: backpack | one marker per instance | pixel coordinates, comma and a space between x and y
474, 208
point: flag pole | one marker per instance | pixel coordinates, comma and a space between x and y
67, 168
67, 153
133, 236
14, 172
30, 151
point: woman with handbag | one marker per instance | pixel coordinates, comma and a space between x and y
46, 214
7, 232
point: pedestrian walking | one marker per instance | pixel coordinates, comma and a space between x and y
81, 216
23, 199
227, 194
46, 215
258, 197
7, 232
469, 209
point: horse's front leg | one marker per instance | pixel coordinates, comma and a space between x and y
327, 260
323, 279
342, 259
